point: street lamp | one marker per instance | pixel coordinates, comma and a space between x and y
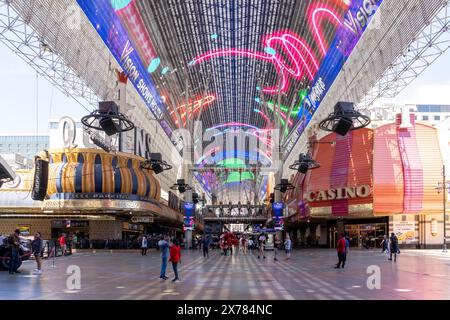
443, 186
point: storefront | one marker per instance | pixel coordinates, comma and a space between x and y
371, 183
90, 193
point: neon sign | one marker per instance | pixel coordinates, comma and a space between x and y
193, 107
301, 58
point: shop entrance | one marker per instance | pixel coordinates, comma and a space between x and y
366, 235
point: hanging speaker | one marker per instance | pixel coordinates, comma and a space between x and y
343, 126
40, 181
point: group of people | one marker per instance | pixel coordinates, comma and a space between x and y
170, 251
388, 245
37, 246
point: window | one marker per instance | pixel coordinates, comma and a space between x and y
425, 118
437, 118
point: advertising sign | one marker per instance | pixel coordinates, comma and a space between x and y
189, 212
349, 33
145, 219
277, 214
25, 231
108, 25
405, 230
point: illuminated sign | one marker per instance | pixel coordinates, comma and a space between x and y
277, 214
108, 25
347, 36
339, 193
193, 107
189, 211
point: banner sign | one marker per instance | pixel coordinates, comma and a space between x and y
349, 33
277, 214
108, 25
189, 212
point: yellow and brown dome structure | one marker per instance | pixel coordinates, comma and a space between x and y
92, 180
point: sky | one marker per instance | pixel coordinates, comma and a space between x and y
18, 94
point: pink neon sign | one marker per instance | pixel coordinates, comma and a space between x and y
292, 56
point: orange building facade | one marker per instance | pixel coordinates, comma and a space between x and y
371, 182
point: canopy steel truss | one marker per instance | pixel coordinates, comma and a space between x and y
18, 36
424, 50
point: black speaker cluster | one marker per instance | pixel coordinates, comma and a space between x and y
284, 186
156, 163
181, 186
304, 163
108, 119
40, 181
344, 119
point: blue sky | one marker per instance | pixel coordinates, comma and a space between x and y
18, 94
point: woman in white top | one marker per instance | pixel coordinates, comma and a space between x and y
144, 246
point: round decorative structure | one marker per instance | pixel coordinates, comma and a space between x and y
93, 171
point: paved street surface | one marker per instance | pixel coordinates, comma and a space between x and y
310, 274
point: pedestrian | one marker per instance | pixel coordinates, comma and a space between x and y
62, 244
385, 245
276, 247
14, 244
262, 242
175, 258
341, 251
347, 245
243, 243
206, 241
144, 245
163, 245
288, 246
393, 240
37, 245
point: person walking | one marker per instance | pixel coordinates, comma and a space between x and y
276, 247
14, 244
393, 240
144, 245
385, 245
37, 245
205, 243
288, 246
62, 244
243, 242
163, 245
175, 258
341, 251
262, 242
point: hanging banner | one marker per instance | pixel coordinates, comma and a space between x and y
277, 215
189, 212
356, 21
107, 23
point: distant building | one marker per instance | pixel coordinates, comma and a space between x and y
431, 114
17, 161
27, 145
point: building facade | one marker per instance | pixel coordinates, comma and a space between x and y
372, 182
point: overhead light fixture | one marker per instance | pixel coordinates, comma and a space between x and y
304, 163
181, 186
108, 119
344, 119
155, 163
284, 186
